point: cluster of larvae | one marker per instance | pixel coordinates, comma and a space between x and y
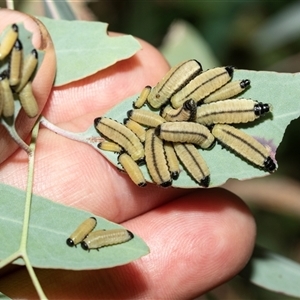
90, 239
188, 109
15, 81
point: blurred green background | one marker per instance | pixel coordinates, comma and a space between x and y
256, 35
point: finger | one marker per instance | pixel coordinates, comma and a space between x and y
42, 82
100, 92
197, 243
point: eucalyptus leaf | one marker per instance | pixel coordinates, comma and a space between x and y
273, 272
84, 48
281, 90
50, 225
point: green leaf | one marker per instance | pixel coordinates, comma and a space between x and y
50, 225
273, 272
183, 41
280, 90
84, 48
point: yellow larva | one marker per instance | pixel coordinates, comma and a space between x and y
155, 159
193, 162
145, 117
15, 63
244, 145
7, 96
175, 79
202, 85
27, 69
135, 127
231, 111
81, 232
140, 101
172, 160
185, 132
121, 135
8, 41
102, 238
110, 146
132, 169
187, 112
228, 91
28, 101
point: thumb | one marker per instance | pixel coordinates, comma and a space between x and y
42, 82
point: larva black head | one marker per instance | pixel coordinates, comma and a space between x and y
189, 105
125, 121
140, 161
70, 242
18, 45
229, 70
199, 64
129, 113
84, 246
3, 75
34, 53
130, 234
142, 184
205, 181
157, 130
175, 175
245, 83
97, 121
166, 184
261, 108
15, 27
270, 165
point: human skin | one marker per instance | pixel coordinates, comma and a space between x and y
198, 238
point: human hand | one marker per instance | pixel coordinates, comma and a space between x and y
198, 238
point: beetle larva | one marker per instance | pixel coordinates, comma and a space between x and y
228, 91
136, 128
8, 41
155, 159
6, 94
202, 85
121, 135
110, 146
244, 145
28, 101
27, 69
193, 162
145, 117
231, 111
185, 132
102, 238
140, 101
173, 81
172, 160
187, 112
15, 63
81, 232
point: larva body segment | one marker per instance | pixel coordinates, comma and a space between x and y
136, 128
231, 111
244, 145
121, 135
202, 85
103, 238
173, 81
172, 160
110, 146
6, 96
185, 132
155, 159
193, 162
81, 232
